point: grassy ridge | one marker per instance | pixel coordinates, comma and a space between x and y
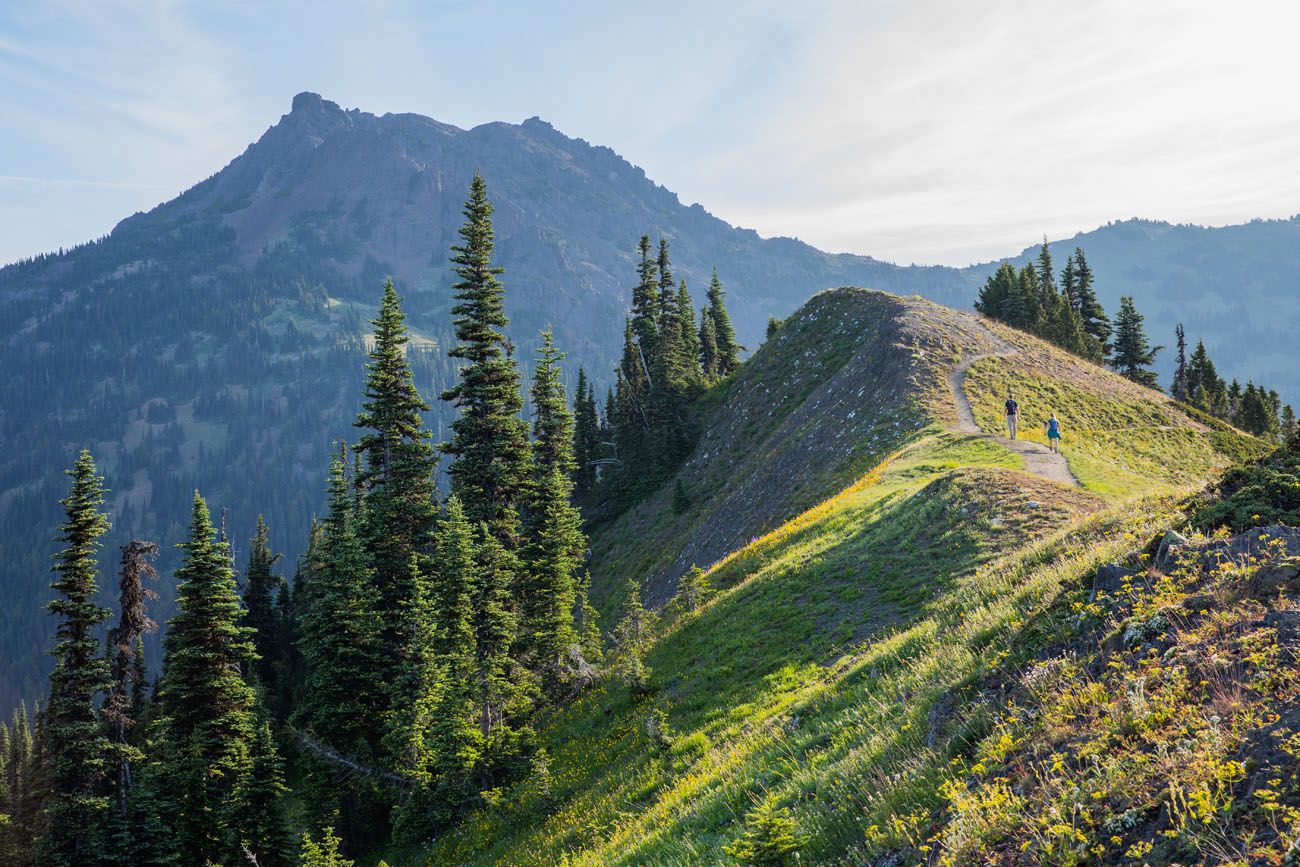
838, 671
869, 597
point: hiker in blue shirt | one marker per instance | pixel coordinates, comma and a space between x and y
1054, 432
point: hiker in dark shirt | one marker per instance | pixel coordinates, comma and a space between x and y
1013, 415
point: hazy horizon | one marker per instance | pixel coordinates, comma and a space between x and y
908, 132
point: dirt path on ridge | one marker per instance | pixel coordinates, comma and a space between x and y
1039, 459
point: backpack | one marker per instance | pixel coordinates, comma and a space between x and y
1012, 407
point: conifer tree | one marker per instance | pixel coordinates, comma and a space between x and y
1096, 324
995, 296
586, 622
260, 614
708, 346
341, 643
667, 292
498, 697
79, 753
690, 339
645, 301
1288, 423
555, 543
435, 736
1133, 353
490, 441
256, 805
724, 335
632, 638
1070, 284
586, 435
323, 853
1046, 276
1206, 390
1178, 388
207, 705
126, 651
553, 424
397, 481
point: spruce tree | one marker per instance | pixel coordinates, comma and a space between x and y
490, 440
586, 436
553, 423
1178, 388
340, 637
126, 651
708, 346
645, 301
207, 705
497, 695
632, 638
256, 805
1133, 353
260, 613
555, 543
1046, 276
79, 754
586, 622
1096, 324
690, 339
398, 478
724, 335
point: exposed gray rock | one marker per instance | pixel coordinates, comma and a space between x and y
1167, 553
1109, 578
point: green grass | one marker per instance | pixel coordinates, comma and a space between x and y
810, 675
1117, 445
838, 670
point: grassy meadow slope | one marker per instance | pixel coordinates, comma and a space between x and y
870, 567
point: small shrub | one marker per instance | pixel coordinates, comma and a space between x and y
771, 837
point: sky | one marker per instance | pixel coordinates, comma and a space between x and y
922, 131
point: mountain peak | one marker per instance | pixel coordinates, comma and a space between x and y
308, 102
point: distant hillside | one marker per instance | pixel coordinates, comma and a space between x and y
1236, 287
870, 559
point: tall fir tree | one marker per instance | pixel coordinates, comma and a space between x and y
260, 611
1046, 276
340, 637
708, 346
690, 339
586, 435
499, 695
207, 705
724, 334
79, 754
258, 800
555, 543
490, 439
1178, 388
397, 480
1133, 354
124, 704
1096, 324
645, 301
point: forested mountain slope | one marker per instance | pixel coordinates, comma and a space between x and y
214, 341
866, 562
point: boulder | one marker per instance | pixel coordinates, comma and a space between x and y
1277, 576
1109, 578
1167, 554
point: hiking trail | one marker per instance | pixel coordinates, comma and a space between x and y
1039, 459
